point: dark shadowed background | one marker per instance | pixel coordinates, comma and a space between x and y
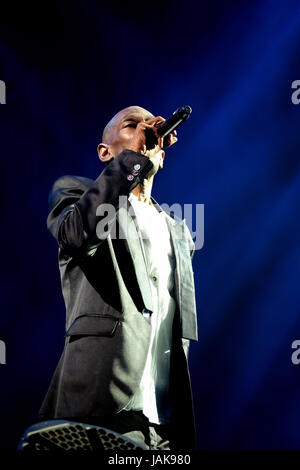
68, 68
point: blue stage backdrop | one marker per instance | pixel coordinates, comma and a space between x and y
68, 68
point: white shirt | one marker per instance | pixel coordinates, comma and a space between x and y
152, 393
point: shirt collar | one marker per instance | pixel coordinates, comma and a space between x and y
133, 197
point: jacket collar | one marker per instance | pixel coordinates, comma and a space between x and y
173, 218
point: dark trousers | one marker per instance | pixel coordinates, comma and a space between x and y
136, 426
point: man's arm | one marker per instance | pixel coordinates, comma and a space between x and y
72, 219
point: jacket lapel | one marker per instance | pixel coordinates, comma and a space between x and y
184, 278
136, 249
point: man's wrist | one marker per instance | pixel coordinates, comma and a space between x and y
137, 165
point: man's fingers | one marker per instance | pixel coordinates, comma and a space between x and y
171, 139
160, 141
155, 120
152, 136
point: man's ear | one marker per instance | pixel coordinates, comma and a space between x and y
104, 153
161, 163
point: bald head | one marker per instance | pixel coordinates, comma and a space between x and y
112, 127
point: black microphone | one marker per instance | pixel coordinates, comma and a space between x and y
178, 117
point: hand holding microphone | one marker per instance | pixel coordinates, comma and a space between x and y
167, 128
158, 133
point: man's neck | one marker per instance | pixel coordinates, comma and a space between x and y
143, 190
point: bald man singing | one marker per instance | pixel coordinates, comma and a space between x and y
127, 282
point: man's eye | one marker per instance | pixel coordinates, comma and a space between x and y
131, 124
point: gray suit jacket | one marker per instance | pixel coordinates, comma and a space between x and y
106, 289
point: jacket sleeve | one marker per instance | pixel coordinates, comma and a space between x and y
72, 219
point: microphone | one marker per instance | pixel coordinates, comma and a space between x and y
178, 117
